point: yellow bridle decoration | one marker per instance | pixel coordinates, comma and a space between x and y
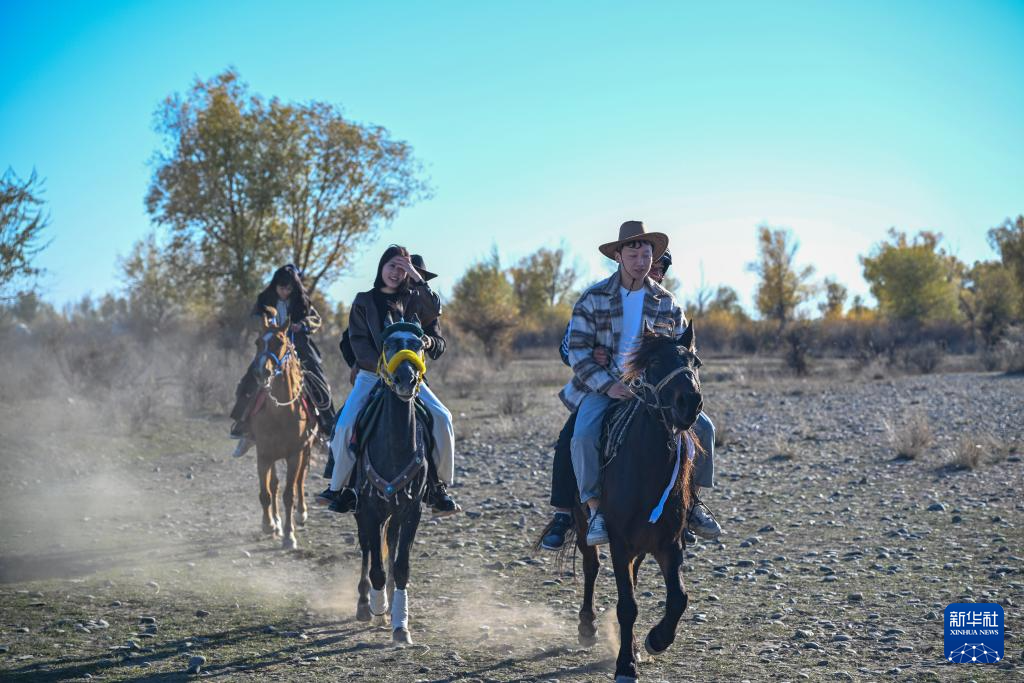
386, 368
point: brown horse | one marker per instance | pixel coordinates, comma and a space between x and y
647, 493
283, 429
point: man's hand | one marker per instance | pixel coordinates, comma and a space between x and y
619, 392
601, 356
428, 342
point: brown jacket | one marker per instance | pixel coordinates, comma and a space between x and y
365, 325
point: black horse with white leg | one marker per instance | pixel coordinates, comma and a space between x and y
646, 491
392, 478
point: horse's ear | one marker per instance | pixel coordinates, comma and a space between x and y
686, 338
269, 314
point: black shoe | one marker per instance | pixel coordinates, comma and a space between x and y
344, 501
442, 504
326, 497
555, 537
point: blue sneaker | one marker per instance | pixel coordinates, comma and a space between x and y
555, 537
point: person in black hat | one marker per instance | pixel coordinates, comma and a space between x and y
286, 295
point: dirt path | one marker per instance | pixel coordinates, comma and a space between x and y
125, 558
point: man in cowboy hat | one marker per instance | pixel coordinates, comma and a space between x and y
563, 480
611, 314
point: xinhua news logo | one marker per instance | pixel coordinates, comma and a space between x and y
974, 633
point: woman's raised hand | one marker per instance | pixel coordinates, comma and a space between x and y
410, 269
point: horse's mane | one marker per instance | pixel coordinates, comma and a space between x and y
651, 343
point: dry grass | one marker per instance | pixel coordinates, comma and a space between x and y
512, 401
911, 437
968, 453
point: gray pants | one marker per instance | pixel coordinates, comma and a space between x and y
586, 447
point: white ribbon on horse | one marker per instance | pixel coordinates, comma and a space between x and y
691, 452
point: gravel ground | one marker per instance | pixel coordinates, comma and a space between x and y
138, 556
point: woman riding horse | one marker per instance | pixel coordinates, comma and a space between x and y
286, 295
400, 291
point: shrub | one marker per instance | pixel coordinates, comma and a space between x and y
910, 438
923, 358
512, 402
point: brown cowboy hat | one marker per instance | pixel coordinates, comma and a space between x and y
420, 266
632, 231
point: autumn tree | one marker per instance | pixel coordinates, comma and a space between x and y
835, 299
914, 280
726, 300
244, 184
783, 285
484, 304
543, 280
22, 222
990, 299
1008, 240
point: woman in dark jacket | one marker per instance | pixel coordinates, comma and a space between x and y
401, 290
286, 295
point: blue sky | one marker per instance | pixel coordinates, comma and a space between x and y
544, 122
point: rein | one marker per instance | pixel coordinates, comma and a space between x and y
640, 386
279, 364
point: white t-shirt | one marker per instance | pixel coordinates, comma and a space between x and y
632, 322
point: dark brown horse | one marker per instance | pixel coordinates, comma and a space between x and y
393, 474
283, 430
646, 493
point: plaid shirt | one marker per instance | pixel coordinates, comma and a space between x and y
597, 321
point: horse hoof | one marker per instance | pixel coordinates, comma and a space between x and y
650, 648
380, 621
289, 543
625, 679
301, 520
588, 639
363, 612
401, 636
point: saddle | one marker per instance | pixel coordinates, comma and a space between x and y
367, 421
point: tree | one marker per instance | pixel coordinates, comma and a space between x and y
914, 280
835, 300
783, 286
159, 284
244, 184
342, 181
697, 306
1008, 240
990, 299
484, 304
22, 221
542, 280
726, 301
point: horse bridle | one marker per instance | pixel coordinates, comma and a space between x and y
639, 386
386, 368
279, 369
